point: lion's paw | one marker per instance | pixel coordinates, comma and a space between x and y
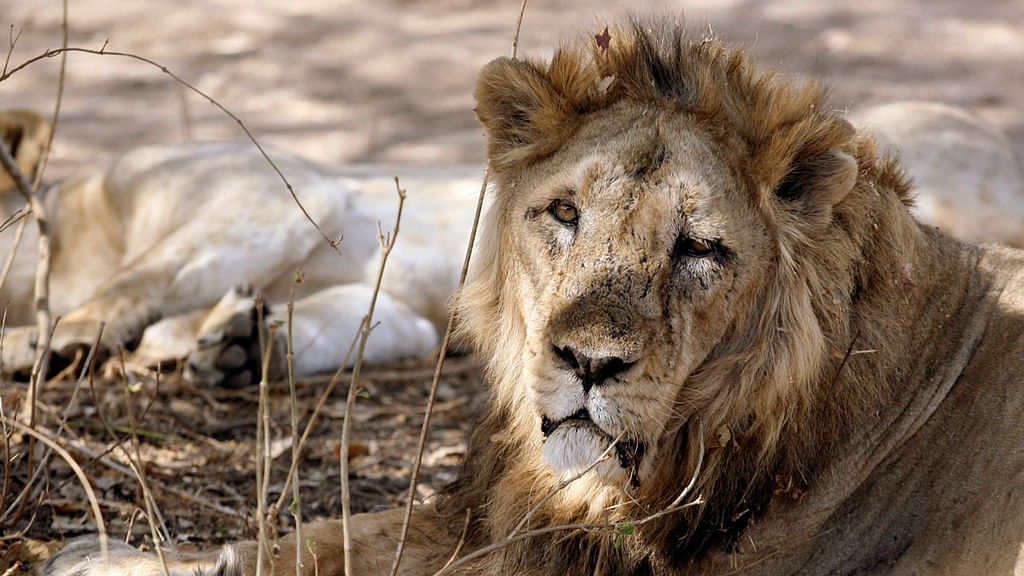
227, 349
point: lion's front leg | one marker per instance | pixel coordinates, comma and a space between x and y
374, 540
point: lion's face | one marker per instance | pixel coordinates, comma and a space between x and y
651, 255
629, 244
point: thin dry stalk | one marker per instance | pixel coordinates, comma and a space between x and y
137, 467
519, 27
135, 463
33, 196
445, 343
7, 431
14, 248
335, 380
18, 215
45, 157
293, 472
264, 459
387, 243
12, 40
90, 495
42, 280
435, 382
675, 506
462, 541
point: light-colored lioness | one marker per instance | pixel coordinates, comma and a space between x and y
709, 273
149, 246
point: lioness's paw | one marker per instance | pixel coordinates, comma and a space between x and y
227, 349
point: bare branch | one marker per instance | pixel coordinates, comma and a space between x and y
13, 39
42, 279
264, 460
333, 243
14, 248
293, 472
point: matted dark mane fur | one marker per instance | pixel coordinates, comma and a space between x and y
781, 389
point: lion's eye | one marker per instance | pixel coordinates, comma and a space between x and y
565, 212
693, 247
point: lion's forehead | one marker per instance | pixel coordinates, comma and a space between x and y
644, 183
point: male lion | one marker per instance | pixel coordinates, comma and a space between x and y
710, 273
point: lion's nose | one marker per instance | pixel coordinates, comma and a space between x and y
591, 371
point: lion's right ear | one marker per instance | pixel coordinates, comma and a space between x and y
24, 134
525, 116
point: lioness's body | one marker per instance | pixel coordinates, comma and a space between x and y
169, 231
708, 272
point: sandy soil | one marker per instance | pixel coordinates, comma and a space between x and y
391, 80
384, 81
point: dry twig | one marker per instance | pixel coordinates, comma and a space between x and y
293, 472
245, 129
264, 459
152, 511
387, 243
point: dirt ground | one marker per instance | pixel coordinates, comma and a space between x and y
388, 81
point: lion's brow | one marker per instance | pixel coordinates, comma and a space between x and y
649, 158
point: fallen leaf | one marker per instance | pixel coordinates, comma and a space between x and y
603, 39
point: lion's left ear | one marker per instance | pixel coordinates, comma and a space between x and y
816, 180
525, 116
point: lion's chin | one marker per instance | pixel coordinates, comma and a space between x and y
575, 446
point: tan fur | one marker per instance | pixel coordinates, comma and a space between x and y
742, 263
24, 133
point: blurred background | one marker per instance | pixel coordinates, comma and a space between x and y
392, 80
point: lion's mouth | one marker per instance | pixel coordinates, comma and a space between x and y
547, 425
628, 452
